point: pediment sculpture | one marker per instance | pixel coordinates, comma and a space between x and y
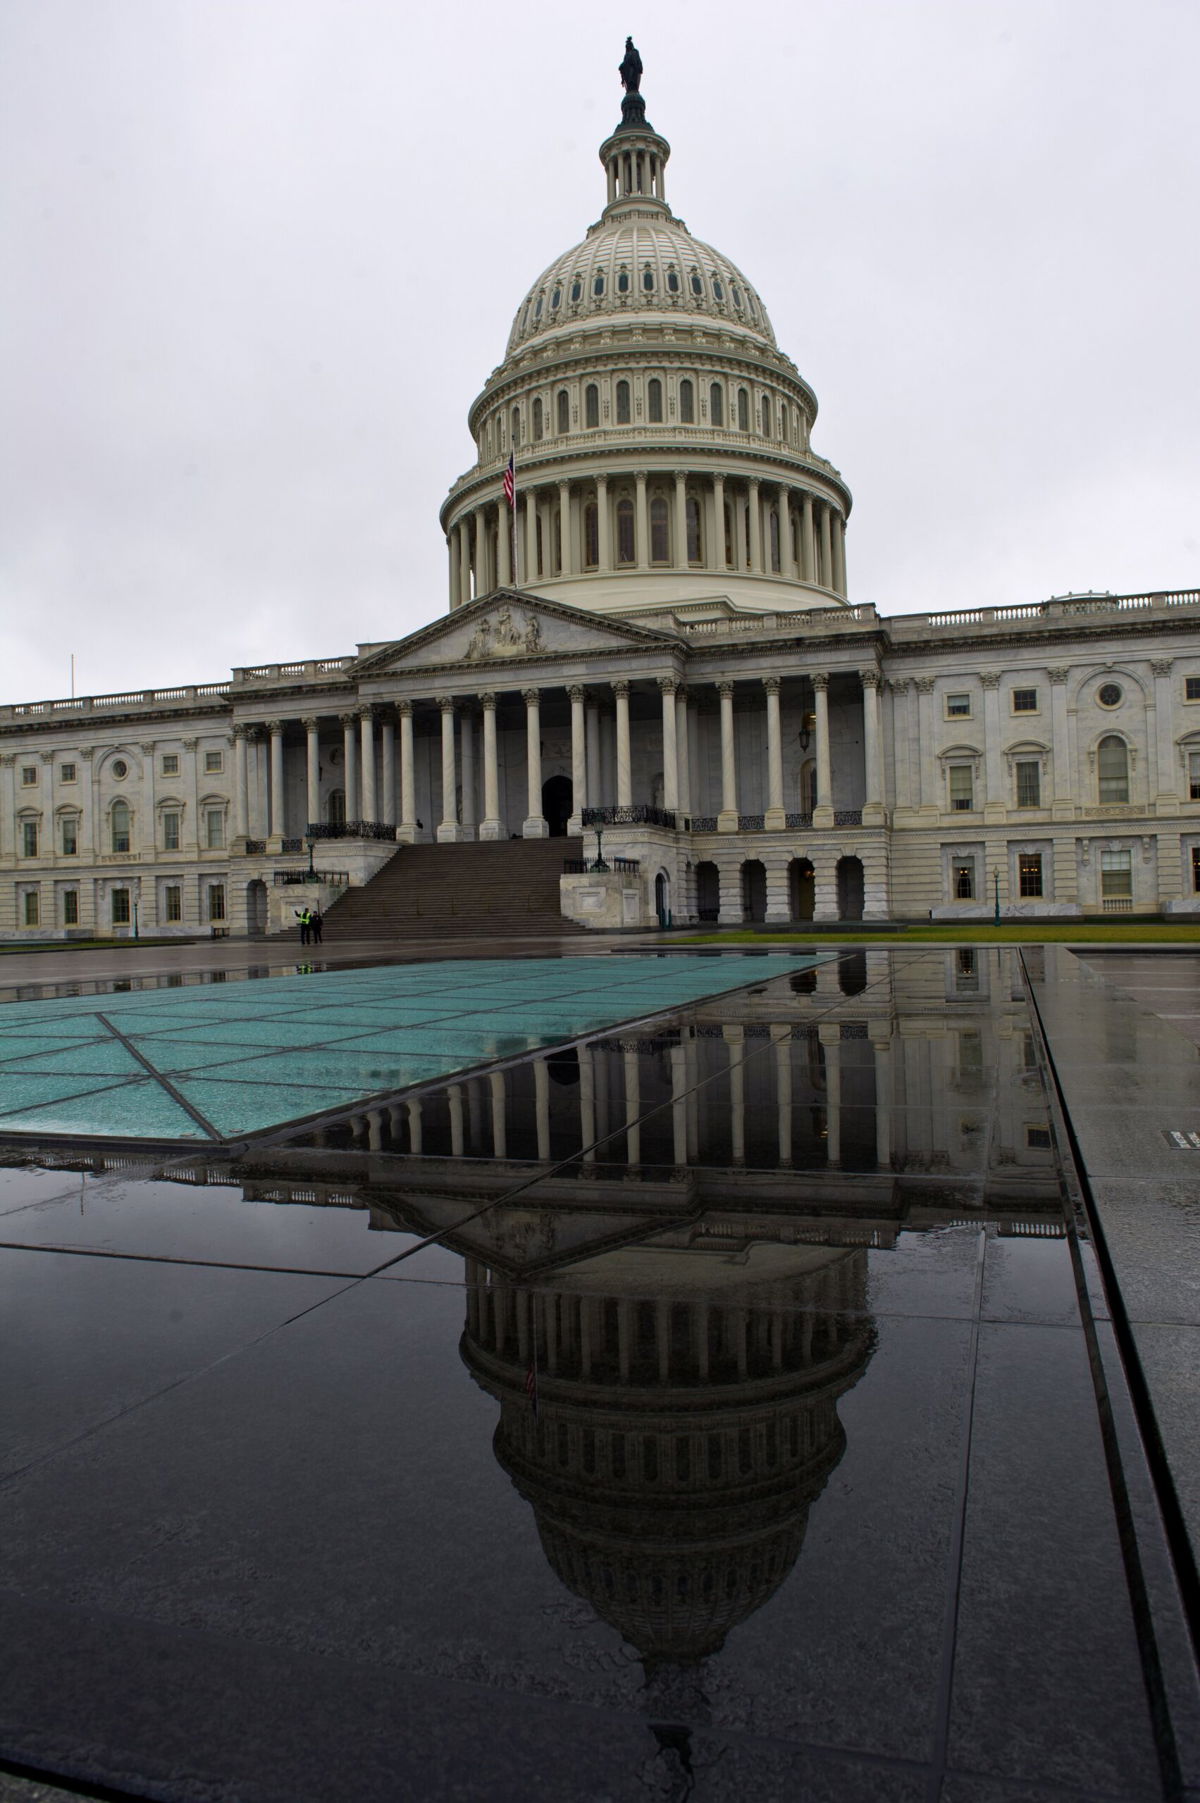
499, 635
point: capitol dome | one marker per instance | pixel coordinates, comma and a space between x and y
662, 441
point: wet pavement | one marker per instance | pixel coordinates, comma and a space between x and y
731, 1403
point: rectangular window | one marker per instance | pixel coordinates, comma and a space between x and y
70, 836
214, 763
120, 907
1194, 775
170, 822
214, 829
963, 877
1196, 869
1029, 873
1038, 1139
962, 796
29, 838
1116, 874
70, 907
958, 707
1029, 784
1191, 688
216, 901
170, 763
32, 910
28, 776
1024, 701
66, 773
173, 902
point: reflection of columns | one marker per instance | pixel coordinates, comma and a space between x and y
633, 1108
387, 757
775, 819
455, 1099
499, 1125
882, 1047
587, 1103
579, 775
312, 767
624, 764
448, 832
489, 826
466, 760
782, 1039
873, 809
678, 1105
603, 526
831, 1039
413, 1109
717, 556
370, 803
807, 546
535, 823
241, 784
683, 760
823, 812
755, 510
670, 744
641, 523
734, 1043
541, 1107
681, 544
727, 819
350, 764
408, 775
276, 731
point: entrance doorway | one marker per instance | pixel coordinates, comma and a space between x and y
801, 889
850, 888
754, 891
662, 898
557, 796
256, 906
708, 891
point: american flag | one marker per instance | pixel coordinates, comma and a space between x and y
510, 479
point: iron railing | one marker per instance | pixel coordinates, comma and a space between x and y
704, 823
798, 821
582, 866
636, 814
847, 817
751, 823
334, 879
349, 829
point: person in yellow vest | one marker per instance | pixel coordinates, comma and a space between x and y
305, 919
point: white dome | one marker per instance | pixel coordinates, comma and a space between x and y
648, 267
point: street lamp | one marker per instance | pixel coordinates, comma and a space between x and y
996, 881
599, 863
311, 842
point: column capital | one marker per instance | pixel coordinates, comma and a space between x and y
772, 684
446, 703
310, 723
531, 697
1058, 676
620, 686
669, 685
274, 727
1161, 666
365, 711
404, 707
487, 699
989, 679
870, 679
900, 684
576, 692
240, 729
348, 720
146, 749
725, 688
640, 475
753, 482
925, 684
819, 679
680, 475
681, 695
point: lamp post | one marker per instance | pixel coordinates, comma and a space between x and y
599, 863
996, 882
311, 842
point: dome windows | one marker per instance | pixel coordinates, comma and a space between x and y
697, 284
716, 404
577, 289
623, 407
591, 536
598, 285
736, 292
672, 280
648, 279
783, 421
660, 537
687, 401
555, 298
743, 410
625, 538
537, 308
766, 416
591, 406
516, 426
695, 547
654, 401
537, 418
753, 306
718, 287
563, 403
622, 281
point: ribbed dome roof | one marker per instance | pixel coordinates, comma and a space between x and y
645, 268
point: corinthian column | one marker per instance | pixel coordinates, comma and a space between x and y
312, 749
873, 808
775, 819
490, 826
670, 744
808, 547
408, 776
579, 794
603, 526
681, 550
370, 802
641, 523
727, 819
241, 788
535, 826
350, 764
823, 812
624, 763
448, 831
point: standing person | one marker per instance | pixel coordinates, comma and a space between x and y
305, 919
315, 923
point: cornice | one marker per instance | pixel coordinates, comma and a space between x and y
1048, 634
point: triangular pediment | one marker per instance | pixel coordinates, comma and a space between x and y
509, 626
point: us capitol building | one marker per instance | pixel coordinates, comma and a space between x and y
656, 638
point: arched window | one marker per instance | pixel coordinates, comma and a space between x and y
672, 281
516, 426
591, 535
554, 300
766, 415
623, 414
743, 410
537, 308
752, 304
687, 401
697, 283
577, 289
774, 540
1112, 765
695, 546
564, 410
537, 419
648, 279
120, 826
623, 281
625, 545
660, 537
716, 404
591, 405
598, 285
717, 287
783, 420
654, 401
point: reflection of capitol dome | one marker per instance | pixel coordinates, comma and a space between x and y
679, 1441
662, 438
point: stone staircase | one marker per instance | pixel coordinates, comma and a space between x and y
495, 890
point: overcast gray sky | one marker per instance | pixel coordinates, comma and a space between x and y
261, 254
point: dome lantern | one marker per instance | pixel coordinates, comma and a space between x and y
635, 156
